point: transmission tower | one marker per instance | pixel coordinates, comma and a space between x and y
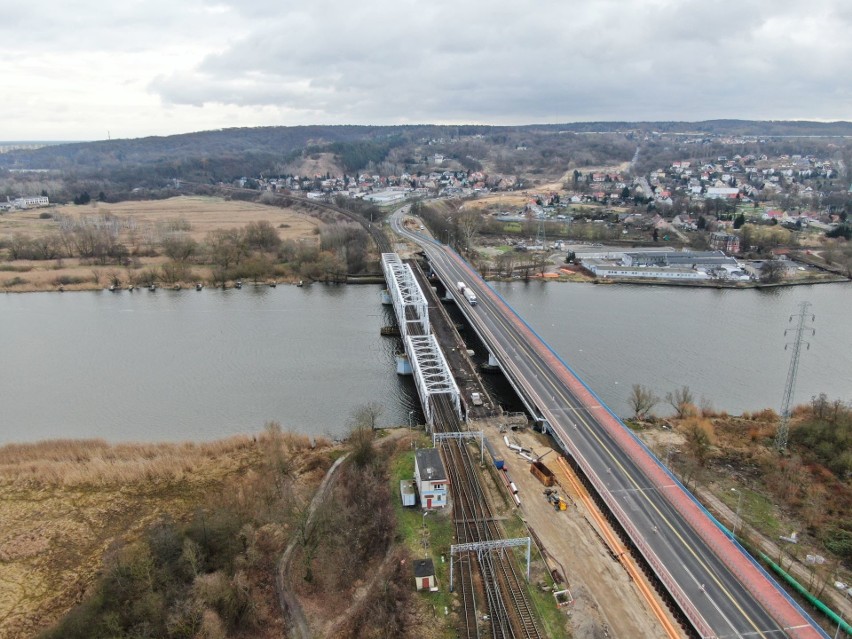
540, 237
799, 330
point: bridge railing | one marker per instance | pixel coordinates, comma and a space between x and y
683, 600
794, 620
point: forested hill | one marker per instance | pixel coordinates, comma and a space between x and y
277, 142
229, 153
761, 128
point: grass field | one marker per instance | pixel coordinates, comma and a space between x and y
67, 503
139, 220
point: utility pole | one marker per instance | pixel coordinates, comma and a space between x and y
540, 237
801, 327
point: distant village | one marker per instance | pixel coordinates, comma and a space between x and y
668, 203
387, 189
715, 196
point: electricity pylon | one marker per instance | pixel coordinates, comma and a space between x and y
801, 327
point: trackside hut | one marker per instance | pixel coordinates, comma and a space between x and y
424, 574
431, 478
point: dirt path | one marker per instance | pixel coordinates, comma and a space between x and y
294, 615
607, 603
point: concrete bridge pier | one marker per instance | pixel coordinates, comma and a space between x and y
403, 364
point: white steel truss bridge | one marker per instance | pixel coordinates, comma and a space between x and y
409, 304
432, 375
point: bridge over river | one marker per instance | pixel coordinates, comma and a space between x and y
718, 587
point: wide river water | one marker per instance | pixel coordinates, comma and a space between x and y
179, 365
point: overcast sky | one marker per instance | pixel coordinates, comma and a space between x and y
85, 69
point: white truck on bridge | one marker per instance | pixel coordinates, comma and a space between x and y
469, 295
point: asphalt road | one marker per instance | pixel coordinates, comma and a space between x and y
711, 596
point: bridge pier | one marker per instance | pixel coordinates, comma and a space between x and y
403, 365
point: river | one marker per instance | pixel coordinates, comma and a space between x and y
188, 365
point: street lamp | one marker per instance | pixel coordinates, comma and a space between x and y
410, 413
840, 623
423, 531
739, 506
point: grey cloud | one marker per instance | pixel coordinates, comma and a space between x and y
405, 61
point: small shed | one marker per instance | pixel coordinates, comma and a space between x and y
407, 492
424, 574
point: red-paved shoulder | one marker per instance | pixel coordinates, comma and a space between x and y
765, 591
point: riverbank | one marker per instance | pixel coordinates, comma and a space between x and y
176, 242
188, 540
721, 284
716, 284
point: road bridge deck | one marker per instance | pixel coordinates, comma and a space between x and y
721, 590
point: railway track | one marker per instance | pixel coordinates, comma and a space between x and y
502, 587
492, 576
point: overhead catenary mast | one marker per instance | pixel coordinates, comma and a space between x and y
801, 327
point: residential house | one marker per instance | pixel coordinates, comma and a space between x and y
725, 242
431, 478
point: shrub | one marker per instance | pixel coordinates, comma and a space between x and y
65, 280
839, 541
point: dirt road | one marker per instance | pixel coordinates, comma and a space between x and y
607, 602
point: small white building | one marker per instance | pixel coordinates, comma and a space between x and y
407, 493
424, 574
431, 478
30, 202
388, 196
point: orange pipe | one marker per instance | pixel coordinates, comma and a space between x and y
618, 549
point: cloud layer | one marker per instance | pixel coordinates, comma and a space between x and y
162, 67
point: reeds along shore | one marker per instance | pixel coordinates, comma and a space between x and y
79, 462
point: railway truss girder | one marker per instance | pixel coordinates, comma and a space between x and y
431, 373
409, 303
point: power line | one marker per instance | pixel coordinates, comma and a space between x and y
801, 327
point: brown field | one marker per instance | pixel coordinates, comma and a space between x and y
520, 198
202, 214
499, 200
66, 503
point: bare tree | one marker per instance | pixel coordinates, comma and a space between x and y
179, 246
682, 400
540, 263
772, 271
367, 415
642, 401
468, 222
362, 431
698, 439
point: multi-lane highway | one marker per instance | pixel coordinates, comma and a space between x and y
695, 561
